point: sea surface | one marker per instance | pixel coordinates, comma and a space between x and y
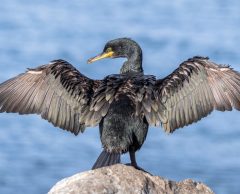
34, 155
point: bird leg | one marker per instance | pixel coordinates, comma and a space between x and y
134, 162
133, 159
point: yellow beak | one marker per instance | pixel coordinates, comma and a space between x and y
101, 56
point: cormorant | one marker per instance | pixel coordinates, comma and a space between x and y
125, 104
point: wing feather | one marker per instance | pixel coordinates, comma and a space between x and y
56, 91
194, 90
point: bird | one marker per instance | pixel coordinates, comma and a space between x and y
123, 105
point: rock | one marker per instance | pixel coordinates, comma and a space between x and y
125, 179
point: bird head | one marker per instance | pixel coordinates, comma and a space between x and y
121, 47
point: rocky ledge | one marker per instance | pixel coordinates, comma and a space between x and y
125, 179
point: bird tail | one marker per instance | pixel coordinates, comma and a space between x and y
107, 159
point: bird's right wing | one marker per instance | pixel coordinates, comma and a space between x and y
194, 90
57, 91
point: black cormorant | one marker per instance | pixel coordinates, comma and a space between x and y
125, 104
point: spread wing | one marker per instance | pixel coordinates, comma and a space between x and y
57, 91
194, 90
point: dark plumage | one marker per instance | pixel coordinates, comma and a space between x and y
124, 104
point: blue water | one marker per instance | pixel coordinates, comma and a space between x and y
34, 155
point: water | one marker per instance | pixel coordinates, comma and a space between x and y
34, 155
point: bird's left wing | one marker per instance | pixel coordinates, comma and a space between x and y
194, 90
56, 91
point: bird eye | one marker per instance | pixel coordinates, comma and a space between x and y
109, 49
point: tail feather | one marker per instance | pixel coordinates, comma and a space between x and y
107, 159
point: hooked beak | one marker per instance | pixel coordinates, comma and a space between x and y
101, 56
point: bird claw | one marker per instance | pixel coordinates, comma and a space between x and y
138, 168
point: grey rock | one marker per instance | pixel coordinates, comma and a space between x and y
122, 179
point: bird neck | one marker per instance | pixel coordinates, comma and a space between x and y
133, 63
